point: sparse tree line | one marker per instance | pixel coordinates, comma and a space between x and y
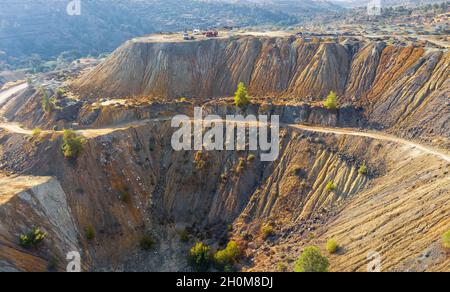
402, 10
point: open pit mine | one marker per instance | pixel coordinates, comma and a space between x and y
371, 174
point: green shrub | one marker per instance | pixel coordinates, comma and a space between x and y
446, 240
72, 144
251, 158
241, 98
228, 256
267, 231
32, 238
90, 233
224, 177
46, 105
60, 92
362, 169
36, 132
200, 160
200, 256
331, 101
332, 246
146, 243
312, 260
330, 186
241, 165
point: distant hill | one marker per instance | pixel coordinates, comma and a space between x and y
44, 28
292, 7
359, 3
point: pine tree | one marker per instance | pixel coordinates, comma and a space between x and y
331, 101
241, 98
45, 100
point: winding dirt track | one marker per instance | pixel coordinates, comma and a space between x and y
92, 133
377, 136
6, 94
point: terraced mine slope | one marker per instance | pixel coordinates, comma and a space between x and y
128, 182
404, 88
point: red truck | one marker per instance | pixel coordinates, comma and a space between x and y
212, 34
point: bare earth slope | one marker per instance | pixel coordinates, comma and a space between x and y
402, 88
128, 182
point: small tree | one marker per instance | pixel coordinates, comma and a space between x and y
90, 233
45, 100
72, 144
32, 238
227, 257
332, 246
362, 169
331, 101
312, 260
241, 98
200, 257
330, 186
267, 231
36, 132
241, 166
147, 243
251, 158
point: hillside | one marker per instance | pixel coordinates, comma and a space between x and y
169, 194
398, 86
385, 3
385, 150
301, 8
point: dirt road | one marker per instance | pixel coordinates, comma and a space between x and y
92, 133
374, 135
6, 94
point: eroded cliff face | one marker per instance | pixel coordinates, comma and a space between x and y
392, 216
399, 87
169, 193
213, 68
